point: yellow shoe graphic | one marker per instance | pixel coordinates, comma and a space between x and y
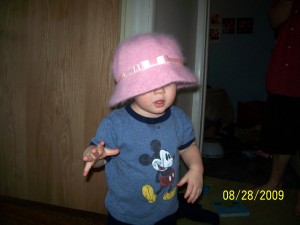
169, 195
148, 193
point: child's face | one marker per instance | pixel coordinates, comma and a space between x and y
154, 103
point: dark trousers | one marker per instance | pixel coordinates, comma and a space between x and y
169, 220
190, 211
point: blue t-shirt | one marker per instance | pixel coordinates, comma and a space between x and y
142, 179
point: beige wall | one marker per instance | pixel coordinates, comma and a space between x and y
54, 85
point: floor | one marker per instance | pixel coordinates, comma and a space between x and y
15, 211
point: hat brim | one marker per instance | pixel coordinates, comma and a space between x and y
151, 79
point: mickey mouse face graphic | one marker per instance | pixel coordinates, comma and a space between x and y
163, 162
161, 159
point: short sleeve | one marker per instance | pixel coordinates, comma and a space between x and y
186, 131
105, 132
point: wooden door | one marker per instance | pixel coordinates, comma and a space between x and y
55, 82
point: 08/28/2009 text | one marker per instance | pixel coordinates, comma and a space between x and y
250, 195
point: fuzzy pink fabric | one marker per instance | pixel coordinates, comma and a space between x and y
147, 47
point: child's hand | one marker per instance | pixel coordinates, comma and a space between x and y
194, 180
92, 155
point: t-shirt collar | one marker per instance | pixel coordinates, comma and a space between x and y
148, 120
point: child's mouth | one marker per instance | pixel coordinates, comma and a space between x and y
159, 103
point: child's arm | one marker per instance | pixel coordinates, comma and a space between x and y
94, 156
194, 177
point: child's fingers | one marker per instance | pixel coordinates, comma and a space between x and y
100, 146
90, 157
192, 191
99, 152
182, 182
112, 152
188, 194
194, 195
87, 168
85, 158
96, 153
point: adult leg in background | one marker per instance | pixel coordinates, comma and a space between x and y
279, 164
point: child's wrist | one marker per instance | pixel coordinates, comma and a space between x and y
197, 169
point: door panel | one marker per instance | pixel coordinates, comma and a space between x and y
55, 82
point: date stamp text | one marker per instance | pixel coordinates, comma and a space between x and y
249, 195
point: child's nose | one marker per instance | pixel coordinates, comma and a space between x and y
160, 90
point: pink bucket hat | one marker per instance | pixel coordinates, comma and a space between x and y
146, 62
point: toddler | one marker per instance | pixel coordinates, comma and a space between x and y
141, 143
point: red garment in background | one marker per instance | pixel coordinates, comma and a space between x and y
283, 74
